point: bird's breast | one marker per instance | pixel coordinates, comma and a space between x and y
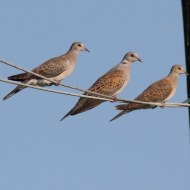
65, 73
123, 86
171, 94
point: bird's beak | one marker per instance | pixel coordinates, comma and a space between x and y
85, 49
139, 60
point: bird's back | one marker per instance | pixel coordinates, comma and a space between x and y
157, 92
108, 85
50, 68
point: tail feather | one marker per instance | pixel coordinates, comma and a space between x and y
13, 92
84, 104
73, 111
20, 77
125, 109
118, 115
121, 107
69, 113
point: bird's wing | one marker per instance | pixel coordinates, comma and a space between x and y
49, 69
157, 92
108, 84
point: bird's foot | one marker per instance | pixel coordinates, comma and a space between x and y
114, 98
162, 104
57, 83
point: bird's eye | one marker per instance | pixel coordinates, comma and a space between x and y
132, 55
79, 45
179, 68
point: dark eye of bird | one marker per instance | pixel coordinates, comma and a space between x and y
179, 68
79, 45
132, 55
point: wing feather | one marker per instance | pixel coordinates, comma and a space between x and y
157, 92
108, 84
49, 69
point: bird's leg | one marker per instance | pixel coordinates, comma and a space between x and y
57, 82
114, 98
162, 104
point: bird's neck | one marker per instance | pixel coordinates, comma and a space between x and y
72, 55
124, 66
124, 61
174, 77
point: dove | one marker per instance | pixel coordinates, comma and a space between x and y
111, 84
160, 91
56, 68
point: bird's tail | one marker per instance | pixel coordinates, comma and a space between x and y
13, 92
125, 109
69, 113
122, 107
118, 115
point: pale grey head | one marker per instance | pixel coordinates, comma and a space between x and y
178, 69
132, 57
78, 46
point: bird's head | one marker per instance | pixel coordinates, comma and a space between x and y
78, 46
132, 57
178, 69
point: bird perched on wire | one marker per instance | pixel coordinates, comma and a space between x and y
160, 91
110, 84
56, 69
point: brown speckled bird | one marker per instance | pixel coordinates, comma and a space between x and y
56, 69
111, 84
160, 91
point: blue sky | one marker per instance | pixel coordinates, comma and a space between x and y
146, 149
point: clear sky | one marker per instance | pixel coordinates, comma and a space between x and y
146, 149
